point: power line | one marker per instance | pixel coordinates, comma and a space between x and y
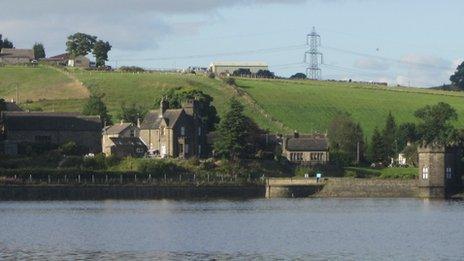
263, 50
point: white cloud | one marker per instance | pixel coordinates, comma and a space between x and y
128, 25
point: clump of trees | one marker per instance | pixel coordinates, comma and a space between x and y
39, 51
298, 76
457, 79
346, 140
131, 69
176, 96
131, 113
96, 106
5, 43
81, 44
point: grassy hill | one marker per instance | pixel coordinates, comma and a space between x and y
278, 105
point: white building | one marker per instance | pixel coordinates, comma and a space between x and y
230, 67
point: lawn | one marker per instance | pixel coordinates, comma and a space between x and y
310, 105
38, 83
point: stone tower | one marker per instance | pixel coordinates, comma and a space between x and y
439, 173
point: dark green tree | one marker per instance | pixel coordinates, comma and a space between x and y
389, 138
100, 51
131, 113
2, 105
80, 44
377, 147
346, 138
436, 123
265, 74
407, 132
5, 43
232, 133
39, 51
96, 106
457, 79
298, 76
207, 111
242, 72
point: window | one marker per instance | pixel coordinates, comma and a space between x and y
43, 139
425, 172
182, 131
449, 173
132, 133
139, 150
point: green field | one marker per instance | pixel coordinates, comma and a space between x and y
299, 105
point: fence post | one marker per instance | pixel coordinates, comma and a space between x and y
106, 178
135, 177
120, 178
149, 179
208, 177
93, 178
79, 178
30, 178
165, 180
180, 177
65, 178
49, 179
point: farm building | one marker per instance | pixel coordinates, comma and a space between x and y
51, 129
16, 56
65, 59
230, 67
310, 149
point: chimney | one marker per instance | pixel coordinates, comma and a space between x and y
296, 134
164, 105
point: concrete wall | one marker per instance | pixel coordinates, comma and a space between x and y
349, 187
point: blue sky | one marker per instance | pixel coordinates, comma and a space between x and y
417, 43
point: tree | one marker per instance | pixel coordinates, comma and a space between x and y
298, 76
346, 138
407, 132
265, 74
207, 112
39, 51
5, 43
457, 79
377, 147
96, 106
131, 113
232, 133
242, 72
2, 105
436, 126
389, 138
80, 44
100, 51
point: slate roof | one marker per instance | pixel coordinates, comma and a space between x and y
307, 143
127, 141
60, 57
50, 121
17, 53
152, 119
116, 129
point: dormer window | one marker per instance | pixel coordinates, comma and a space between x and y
182, 131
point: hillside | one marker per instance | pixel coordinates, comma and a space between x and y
278, 105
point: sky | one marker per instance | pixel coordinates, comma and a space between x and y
411, 43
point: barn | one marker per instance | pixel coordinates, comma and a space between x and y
229, 67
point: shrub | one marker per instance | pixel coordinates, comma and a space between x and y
229, 81
159, 168
69, 148
300, 171
211, 75
131, 69
71, 162
98, 162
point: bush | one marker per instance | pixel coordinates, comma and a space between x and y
98, 162
229, 81
159, 168
69, 148
211, 75
131, 69
300, 171
71, 162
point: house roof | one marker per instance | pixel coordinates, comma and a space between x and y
50, 121
127, 141
152, 119
307, 143
17, 53
240, 63
60, 57
116, 129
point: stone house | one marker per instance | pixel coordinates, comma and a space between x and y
123, 140
51, 128
174, 132
16, 56
307, 149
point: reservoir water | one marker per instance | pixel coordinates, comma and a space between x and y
304, 229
